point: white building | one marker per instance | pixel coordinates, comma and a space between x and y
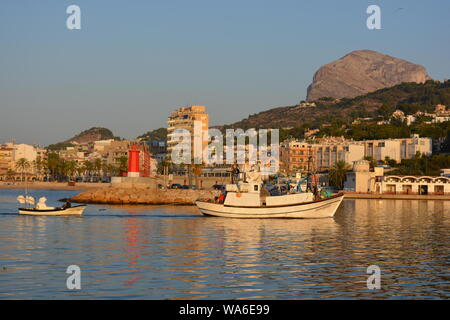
398, 149
24, 151
362, 180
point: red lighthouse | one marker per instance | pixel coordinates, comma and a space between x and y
133, 161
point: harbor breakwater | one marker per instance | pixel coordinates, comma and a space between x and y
142, 195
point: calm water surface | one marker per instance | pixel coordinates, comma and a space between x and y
166, 252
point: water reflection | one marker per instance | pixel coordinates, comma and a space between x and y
175, 253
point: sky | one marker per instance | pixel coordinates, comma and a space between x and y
133, 62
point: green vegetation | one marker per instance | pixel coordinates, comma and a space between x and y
22, 165
59, 146
422, 165
157, 134
103, 133
337, 174
56, 168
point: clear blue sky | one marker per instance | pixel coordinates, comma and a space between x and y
135, 61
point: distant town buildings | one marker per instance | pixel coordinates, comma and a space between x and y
11, 153
321, 154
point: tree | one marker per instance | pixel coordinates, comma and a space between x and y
371, 160
71, 168
123, 163
23, 165
53, 164
390, 162
39, 165
337, 174
88, 167
98, 166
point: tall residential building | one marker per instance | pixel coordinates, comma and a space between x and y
6, 159
184, 118
25, 151
296, 156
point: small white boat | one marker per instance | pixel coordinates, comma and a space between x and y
72, 211
41, 209
245, 200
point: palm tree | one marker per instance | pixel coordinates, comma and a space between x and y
98, 166
337, 174
71, 167
39, 165
63, 169
123, 163
109, 170
53, 163
22, 164
80, 170
88, 167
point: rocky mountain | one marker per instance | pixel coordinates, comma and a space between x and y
360, 72
91, 135
86, 136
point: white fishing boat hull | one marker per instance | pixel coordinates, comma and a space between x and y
72, 211
325, 208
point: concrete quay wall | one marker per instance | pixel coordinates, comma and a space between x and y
350, 195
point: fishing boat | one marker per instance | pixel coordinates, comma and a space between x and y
249, 200
41, 209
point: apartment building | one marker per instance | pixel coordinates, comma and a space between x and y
6, 158
398, 149
184, 118
329, 154
296, 156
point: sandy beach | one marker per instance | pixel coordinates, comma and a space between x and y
52, 185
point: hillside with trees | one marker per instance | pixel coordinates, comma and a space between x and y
335, 116
157, 134
86, 136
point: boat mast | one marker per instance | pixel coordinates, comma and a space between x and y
26, 191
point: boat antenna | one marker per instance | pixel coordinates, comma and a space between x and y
26, 191
308, 175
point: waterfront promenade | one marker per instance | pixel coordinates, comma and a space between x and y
38, 185
353, 195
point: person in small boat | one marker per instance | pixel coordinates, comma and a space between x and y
221, 198
235, 174
66, 205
